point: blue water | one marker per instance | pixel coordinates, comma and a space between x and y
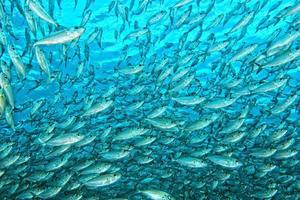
160, 166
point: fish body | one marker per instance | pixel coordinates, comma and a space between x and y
7, 89
103, 180
243, 53
17, 61
225, 161
157, 195
189, 100
99, 107
36, 7
243, 22
61, 37
43, 62
191, 162
202, 123
65, 139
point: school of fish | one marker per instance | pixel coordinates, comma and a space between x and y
149, 99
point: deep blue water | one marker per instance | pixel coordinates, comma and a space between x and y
146, 132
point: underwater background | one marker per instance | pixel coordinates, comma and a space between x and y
149, 99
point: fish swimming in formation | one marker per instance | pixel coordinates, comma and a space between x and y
145, 99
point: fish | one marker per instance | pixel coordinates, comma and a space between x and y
43, 62
61, 37
137, 34
243, 22
65, 139
279, 108
283, 58
156, 194
130, 133
37, 8
189, 100
181, 3
221, 102
243, 53
162, 123
17, 61
282, 42
191, 162
156, 18
7, 89
292, 10
103, 180
202, 122
225, 161
99, 107
2, 102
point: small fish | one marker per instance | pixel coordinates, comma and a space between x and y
220, 102
36, 7
65, 139
202, 122
6, 86
130, 133
103, 180
241, 54
111, 5
61, 37
269, 86
86, 17
189, 100
243, 22
43, 62
2, 102
156, 18
137, 34
191, 162
263, 152
99, 107
225, 161
283, 42
162, 123
17, 61
283, 58
293, 10
157, 194
279, 108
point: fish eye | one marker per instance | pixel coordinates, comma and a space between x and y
297, 29
76, 27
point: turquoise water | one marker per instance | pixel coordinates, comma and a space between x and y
153, 99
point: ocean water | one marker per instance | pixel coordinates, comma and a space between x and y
153, 99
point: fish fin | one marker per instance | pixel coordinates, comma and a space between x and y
60, 27
259, 69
